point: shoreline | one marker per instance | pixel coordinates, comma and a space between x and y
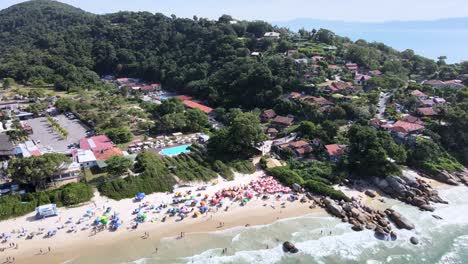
68, 246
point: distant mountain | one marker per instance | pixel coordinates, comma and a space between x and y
430, 38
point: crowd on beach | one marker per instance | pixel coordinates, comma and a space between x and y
193, 202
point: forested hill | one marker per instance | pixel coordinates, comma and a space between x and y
47, 42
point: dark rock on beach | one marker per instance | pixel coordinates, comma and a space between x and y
414, 240
289, 247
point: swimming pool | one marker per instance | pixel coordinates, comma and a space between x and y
175, 150
164, 97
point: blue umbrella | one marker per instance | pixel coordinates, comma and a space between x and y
140, 196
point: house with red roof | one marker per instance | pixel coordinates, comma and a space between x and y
299, 148
420, 95
426, 111
335, 151
353, 67
361, 79
404, 128
282, 121
339, 87
195, 105
189, 102
268, 115
101, 146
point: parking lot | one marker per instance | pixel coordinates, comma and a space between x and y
50, 139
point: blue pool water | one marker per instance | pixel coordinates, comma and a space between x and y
175, 150
164, 97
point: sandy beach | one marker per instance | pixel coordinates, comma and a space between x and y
69, 245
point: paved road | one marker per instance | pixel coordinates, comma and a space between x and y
383, 100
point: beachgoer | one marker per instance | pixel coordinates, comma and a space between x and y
49, 249
40, 250
156, 251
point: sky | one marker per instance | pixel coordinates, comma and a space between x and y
283, 10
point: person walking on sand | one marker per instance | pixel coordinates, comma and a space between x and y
49, 249
40, 250
156, 251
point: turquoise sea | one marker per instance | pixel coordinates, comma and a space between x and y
441, 241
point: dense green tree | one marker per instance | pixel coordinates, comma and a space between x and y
368, 155
117, 165
119, 135
36, 170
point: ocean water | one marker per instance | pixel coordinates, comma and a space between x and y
441, 241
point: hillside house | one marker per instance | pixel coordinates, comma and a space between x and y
282, 121
272, 35
361, 79
339, 87
267, 115
420, 95
352, 67
299, 148
335, 151
426, 111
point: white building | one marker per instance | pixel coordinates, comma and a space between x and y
272, 35
86, 158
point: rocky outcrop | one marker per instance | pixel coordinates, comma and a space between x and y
454, 178
399, 220
409, 189
361, 217
333, 208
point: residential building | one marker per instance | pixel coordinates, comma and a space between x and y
361, 79
282, 121
6, 147
426, 111
272, 35
272, 132
268, 115
352, 67
85, 158
66, 172
457, 84
299, 148
420, 95
335, 151
339, 87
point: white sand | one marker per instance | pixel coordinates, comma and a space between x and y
67, 246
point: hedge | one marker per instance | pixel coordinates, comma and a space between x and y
323, 189
67, 195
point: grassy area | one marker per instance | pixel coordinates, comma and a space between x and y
93, 175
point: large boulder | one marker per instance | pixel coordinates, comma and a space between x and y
370, 193
414, 240
446, 178
289, 247
334, 208
400, 221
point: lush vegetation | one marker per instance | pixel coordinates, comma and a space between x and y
171, 116
371, 151
239, 138
36, 170
316, 177
154, 177
68, 195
